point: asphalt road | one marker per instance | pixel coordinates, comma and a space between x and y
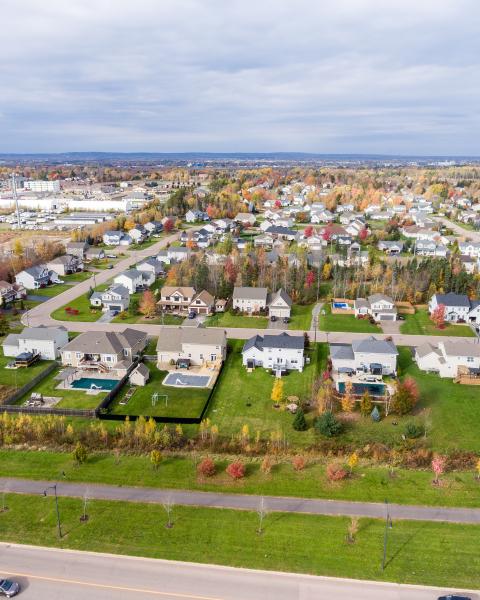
311, 506
50, 574
459, 230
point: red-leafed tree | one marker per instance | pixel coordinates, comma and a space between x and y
363, 234
278, 204
236, 470
168, 226
438, 316
230, 271
206, 467
309, 279
308, 232
211, 211
327, 233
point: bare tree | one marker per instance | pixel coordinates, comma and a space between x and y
262, 513
86, 498
168, 505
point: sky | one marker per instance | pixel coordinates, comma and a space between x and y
323, 76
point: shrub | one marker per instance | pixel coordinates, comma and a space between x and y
236, 470
413, 431
405, 397
298, 463
206, 467
366, 404
299, 422
327, 424
336, 472
80, 454
267, 464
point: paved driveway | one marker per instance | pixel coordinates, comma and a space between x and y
390, 327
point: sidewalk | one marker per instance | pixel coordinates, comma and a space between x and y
244, 502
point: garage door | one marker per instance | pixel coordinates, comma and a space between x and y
386, 317
115, 307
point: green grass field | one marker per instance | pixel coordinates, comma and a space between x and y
181, 402
82, 304
237, 389
19, 377
329, 322
418, 552
301, 317
228, 319
70, 398
369, 483
420, 324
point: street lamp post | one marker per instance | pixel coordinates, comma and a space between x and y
45, 493
388, 525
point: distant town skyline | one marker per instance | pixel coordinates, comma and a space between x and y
344, 76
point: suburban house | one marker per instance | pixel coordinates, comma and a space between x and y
9, 292
77, 249
392, 248
66, 264
176, 299
458, 307
116, 238
203, 303
177, 253
138, 234
379, 306
134, 280
105, 351
196, 216
45, 341
430, 248
469, 248
190, 346
94, 253
152, 266
116, 298
378, 357
153, 227
34, 278
280, 353
446, 357
250, 299
246, 219
279, 304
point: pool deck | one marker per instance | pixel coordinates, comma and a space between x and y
362, 379
211, 372
66, 384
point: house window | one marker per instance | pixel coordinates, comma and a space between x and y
470, 359
78, 354
108, 358
201, 356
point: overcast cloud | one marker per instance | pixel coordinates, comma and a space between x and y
384, 76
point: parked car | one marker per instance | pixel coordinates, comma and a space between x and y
454, 597
286, 320
401, 317
110, 267
9, 588
192, 315
273, 318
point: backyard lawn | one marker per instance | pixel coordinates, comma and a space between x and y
70, 398
418, 552
329, 322
17, 377
82, 304
244, 398
301, 317
420, 324
180, 402
228, 319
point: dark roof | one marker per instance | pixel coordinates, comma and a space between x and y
452, 299
284, 340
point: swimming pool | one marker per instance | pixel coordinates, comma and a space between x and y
342, 305
91, 383
374, 389
186, 380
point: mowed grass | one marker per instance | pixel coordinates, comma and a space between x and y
228, 319
180, 402
69, 398
418, 552
19, 377
244, 398
82, 304
367, 484
421, 324
301, 317
329, 322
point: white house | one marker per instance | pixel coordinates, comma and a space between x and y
281, 352
46, 341
250, 299
369, 355
445, 357
34, 278
134, 280
469, 248
379, 306
116, 298
113, 238
66, 264
152, 266
246, 219
458, 307
194, 216
279, 304
196, 346
390, 247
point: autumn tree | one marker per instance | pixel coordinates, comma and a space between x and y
366, 404
348, 398
438, 316
277, 391
148, 305
438, 467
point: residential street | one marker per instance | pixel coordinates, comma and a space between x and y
50, 574
245, 502
459, 230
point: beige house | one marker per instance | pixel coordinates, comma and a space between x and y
104, 351
203, 303
176, 299
195, 346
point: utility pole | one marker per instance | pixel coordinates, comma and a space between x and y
388, 525
15, 197
45, 493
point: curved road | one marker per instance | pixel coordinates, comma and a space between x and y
49, 573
